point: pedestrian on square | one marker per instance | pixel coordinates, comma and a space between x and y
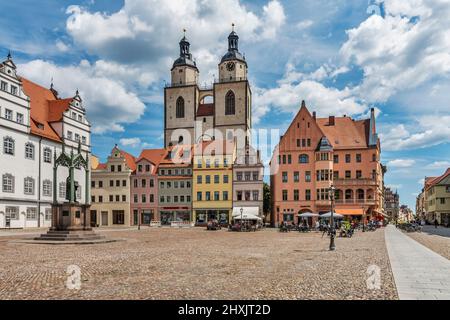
436, 223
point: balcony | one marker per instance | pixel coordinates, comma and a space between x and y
369, 202
354, 182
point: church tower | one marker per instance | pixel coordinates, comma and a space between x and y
180, 98
232, 94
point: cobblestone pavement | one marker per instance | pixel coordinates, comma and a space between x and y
437, 240
199, 264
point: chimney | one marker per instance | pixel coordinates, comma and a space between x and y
314, 115
331, 121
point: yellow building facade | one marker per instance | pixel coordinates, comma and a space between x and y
212, 192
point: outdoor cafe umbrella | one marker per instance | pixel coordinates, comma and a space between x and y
308, 215
335, 215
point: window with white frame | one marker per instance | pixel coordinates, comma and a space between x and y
8, 114
47, 155
14, 90
28, 185
8, 183
47, 188
83, 140
69, 135
29, 151
48, 214
19, 118
4, 86
12, 213
77, 137
62, 190
8, 145
31, 213
80, 118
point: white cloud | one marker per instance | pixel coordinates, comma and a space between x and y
401, 163
443, 165
397, 52
425, 131
61, 46
304, 24
324, 100
147, 32
130, 142
107, 102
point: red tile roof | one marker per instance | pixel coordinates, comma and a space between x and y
346, 132
206, 109
130, 159
432, 181
153, 155
179, 158
45, 108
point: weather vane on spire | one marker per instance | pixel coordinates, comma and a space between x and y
184, 32
232, 26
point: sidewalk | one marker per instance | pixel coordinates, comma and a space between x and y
419, 273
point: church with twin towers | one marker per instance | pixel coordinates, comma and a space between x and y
220, 112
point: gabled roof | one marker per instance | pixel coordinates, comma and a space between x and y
432, 181
345, 133
206, 109
152, 155
130, 159
44, 109
179, 155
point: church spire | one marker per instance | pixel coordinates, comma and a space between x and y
185, 54
233, 40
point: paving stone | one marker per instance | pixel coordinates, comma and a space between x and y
197, 264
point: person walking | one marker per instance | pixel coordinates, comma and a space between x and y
436, 223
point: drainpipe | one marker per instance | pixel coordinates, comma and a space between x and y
39, 185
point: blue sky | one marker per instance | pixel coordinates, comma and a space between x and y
334, 54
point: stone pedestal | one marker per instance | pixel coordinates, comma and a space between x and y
71, 217
71, 223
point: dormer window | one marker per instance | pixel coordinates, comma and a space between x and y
14, 90
3, 86
80, 118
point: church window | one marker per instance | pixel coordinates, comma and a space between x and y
180, 108
230, 103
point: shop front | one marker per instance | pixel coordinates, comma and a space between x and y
168, 215
221, 215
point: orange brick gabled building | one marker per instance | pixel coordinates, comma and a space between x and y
316, 153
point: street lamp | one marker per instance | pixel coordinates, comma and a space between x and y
364, 219
331, 193
242, 210
139, 220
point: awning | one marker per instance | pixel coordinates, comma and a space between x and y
248, 213
350, 211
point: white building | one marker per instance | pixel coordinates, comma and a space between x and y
34, 124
